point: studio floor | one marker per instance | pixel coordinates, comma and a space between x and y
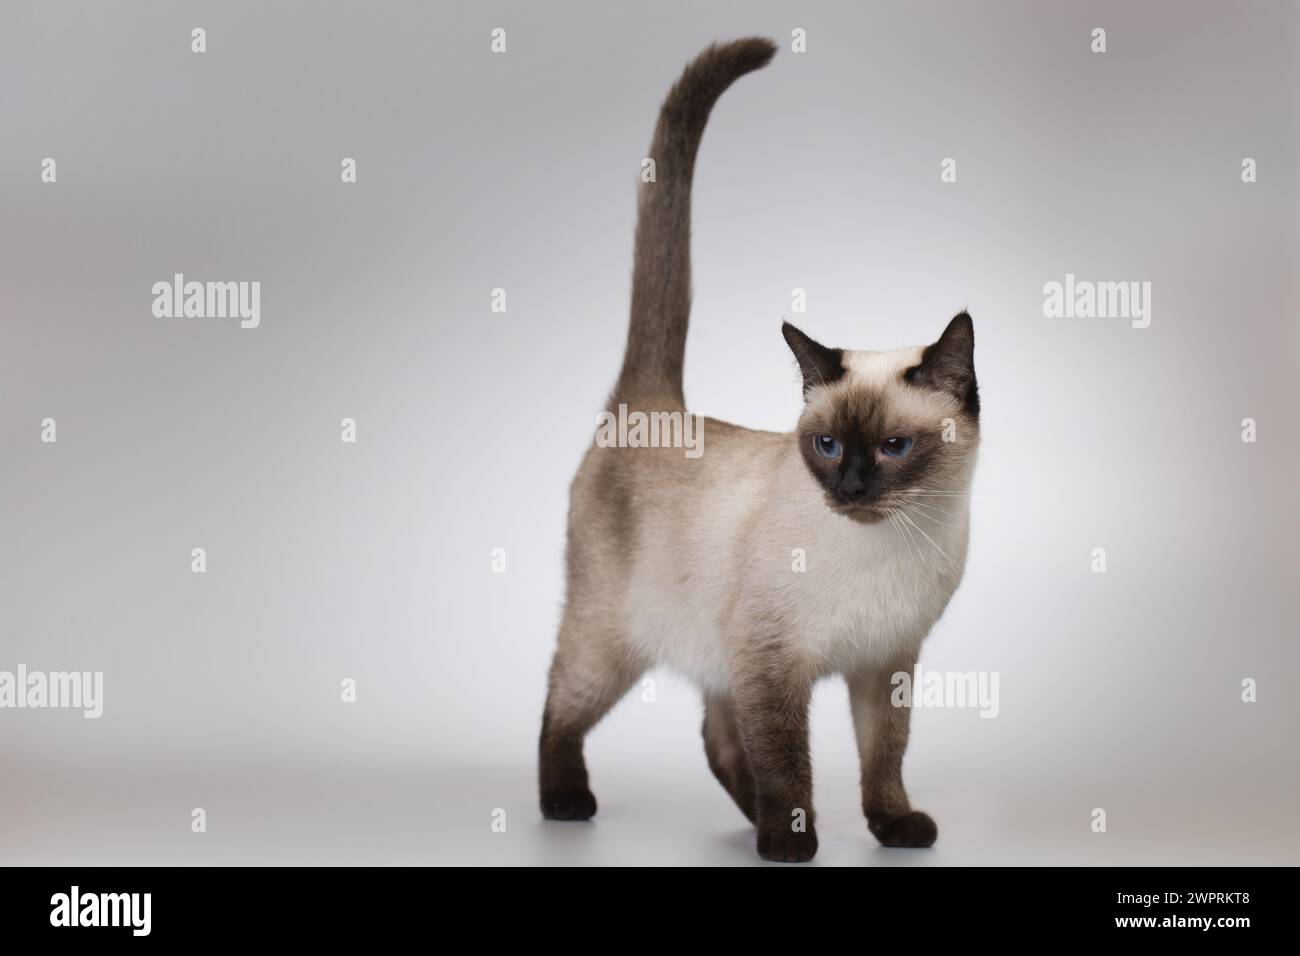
266, 813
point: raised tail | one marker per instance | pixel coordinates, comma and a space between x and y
661, 278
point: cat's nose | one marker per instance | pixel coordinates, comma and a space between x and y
853, 487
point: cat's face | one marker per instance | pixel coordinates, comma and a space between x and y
884, 430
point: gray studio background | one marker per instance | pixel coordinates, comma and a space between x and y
372, 561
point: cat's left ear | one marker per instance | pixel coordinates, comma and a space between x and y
949, 364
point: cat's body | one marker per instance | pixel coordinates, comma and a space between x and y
762, 565
721, 537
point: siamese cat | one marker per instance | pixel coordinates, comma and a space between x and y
770, 560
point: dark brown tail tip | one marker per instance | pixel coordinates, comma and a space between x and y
742, 56
709, 74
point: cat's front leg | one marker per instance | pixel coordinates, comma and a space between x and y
772, 694
882, 730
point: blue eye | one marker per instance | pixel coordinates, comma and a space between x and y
827, 446
896, 447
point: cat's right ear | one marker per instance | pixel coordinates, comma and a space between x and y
819, 365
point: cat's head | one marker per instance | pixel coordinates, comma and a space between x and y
881, 430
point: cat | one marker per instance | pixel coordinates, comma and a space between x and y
695, 563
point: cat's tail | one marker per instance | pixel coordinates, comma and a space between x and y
661, 278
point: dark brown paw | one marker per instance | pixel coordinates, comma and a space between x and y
783, 845
570, 804
913, 828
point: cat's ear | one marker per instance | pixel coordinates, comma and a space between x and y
820, 365
949, 364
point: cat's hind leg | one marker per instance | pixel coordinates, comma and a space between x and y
592, 669
727, 757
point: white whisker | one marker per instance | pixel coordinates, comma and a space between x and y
942, 553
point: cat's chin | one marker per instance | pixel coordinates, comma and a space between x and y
864, 514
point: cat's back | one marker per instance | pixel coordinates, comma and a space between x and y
628, 488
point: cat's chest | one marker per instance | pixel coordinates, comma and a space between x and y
868, 593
